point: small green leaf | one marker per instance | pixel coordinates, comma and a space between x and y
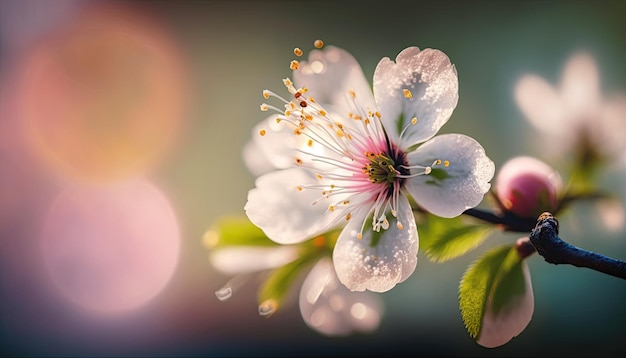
495, 278
279, 282
235, 231
511, 283
444, 239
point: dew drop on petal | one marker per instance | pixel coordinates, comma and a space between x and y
268, 308
224, 293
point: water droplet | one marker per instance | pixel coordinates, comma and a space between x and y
268, 308
224, 293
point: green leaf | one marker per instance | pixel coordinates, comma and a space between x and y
495, 278
444, 239
235, 231
280, 280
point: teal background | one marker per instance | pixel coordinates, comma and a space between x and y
235, 49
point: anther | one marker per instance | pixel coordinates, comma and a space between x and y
262, 132
446, 163
400, 226
407, 93
322, 113
414, 121
297, 52
318, 43
266, 94
428, 170
264, 107
303, 104
298, 161
294, 65
348, 216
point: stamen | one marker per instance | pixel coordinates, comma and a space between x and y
412, 123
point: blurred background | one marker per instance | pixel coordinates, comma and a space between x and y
121, 130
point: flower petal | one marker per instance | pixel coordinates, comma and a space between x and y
512, 319
448, 191
540, 104
434, 88
276, 148
330, 308
607, 130
248, 259
284, 213
329, 75
580, 86
361, 266
254, 158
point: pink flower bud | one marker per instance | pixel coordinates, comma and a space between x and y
527, 187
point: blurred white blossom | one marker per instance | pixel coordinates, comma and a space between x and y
575, 115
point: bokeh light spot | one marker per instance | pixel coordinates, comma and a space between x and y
102, 98
111, 248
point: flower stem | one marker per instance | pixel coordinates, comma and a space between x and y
507, 220
556, 251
